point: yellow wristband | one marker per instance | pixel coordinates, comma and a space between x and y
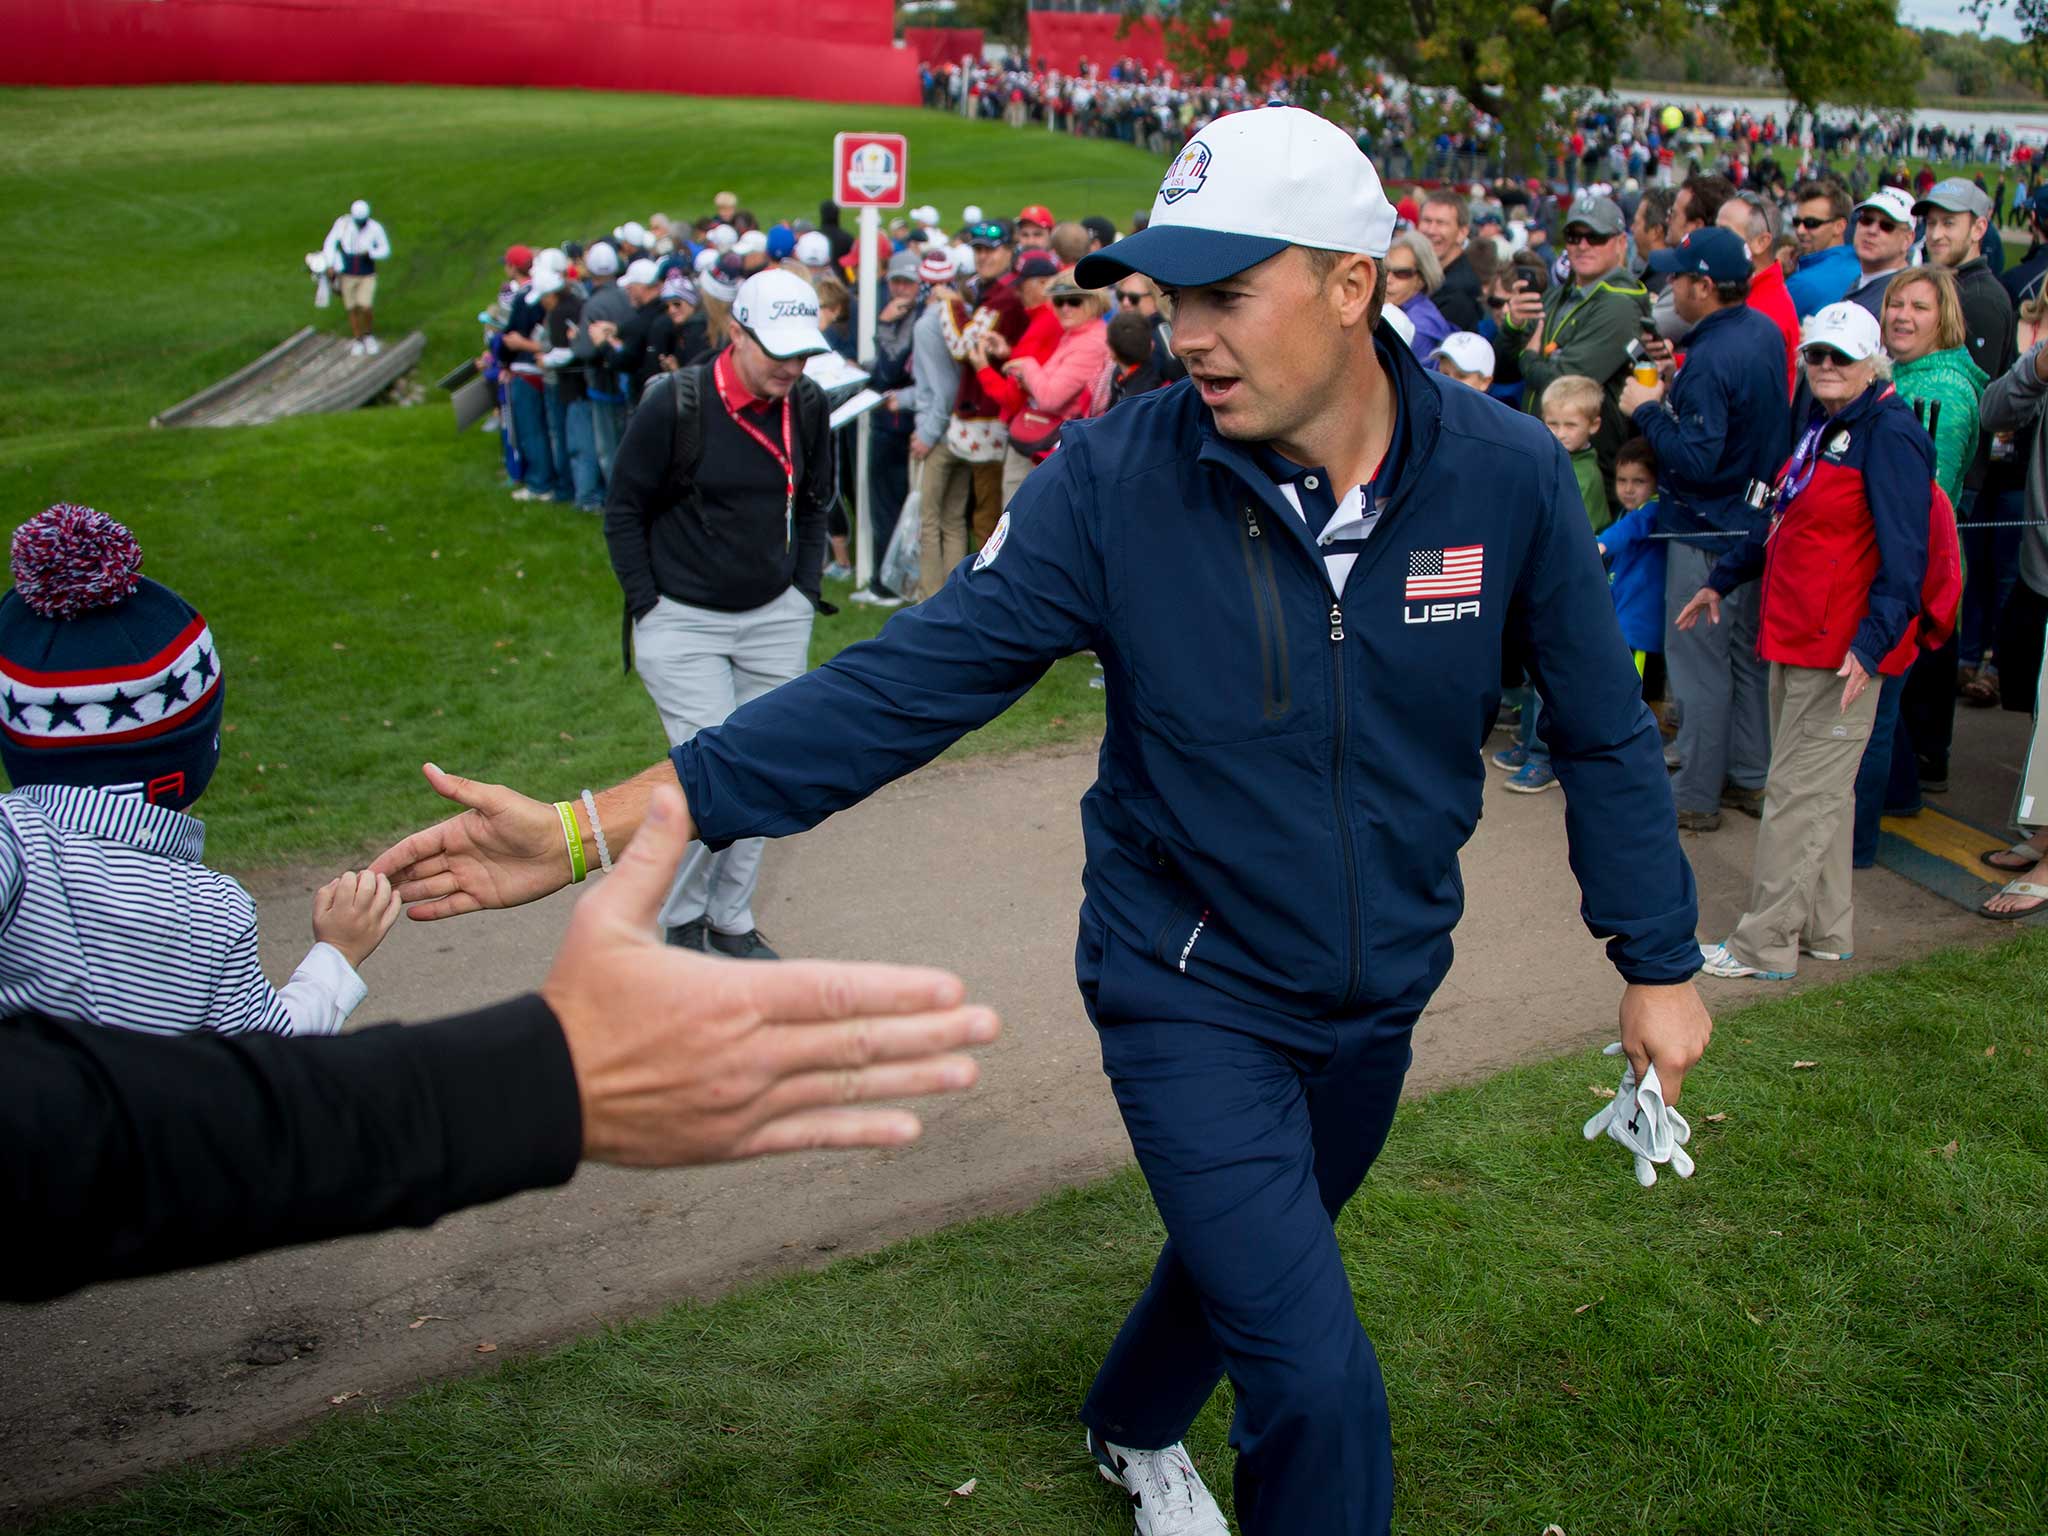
574, 839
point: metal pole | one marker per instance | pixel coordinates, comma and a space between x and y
870, 281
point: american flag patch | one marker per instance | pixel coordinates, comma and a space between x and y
1445, 572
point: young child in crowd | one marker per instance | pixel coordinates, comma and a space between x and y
110, 711
1467, 357
1636, 561
1571, 409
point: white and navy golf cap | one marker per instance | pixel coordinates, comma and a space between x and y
1246, 187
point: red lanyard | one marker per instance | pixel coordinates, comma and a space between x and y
721, 374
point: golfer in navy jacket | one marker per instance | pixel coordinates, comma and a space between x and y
1298, 570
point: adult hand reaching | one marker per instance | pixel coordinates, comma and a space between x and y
685, 1058
503, 850
1706, 601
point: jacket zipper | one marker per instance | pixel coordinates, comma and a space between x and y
1354, 940
1272, 624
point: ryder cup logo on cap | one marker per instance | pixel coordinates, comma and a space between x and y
1246, 187
780, 311
1847, 328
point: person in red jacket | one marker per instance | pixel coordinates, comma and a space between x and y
991, 362
1754, 221
1843, 563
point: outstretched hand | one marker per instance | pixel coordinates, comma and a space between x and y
688, 1058
1706, 601
503, 850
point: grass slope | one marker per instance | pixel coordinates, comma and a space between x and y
1836, 1327
378, 598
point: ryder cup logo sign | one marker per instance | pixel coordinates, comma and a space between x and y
872, 169
1186, 174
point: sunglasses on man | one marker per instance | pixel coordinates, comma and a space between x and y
1810, 225
1871, 219
1578, 234
1129, 298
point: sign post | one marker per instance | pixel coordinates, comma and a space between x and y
871, 171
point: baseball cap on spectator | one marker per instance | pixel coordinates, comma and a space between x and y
937, 266
1468, 352
642, 271
926, 215
601, 261
1100, 228
1035, 213
1895, 203
1602, 215
519, 257
545, 281
1849, 329
971, 214
2037, 205
1038, 264
814, 249
704, 260
781, 242
1244, 189
1956, 194
550, 258
988, 234
723, 236
359, 209
1408, 210
722, 281
904, 264
780, 311
963, 259
1487, 215
1717, 254
633, 234
676, 286
752, 243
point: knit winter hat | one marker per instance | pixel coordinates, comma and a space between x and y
106, 677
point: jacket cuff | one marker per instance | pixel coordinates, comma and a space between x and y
511, 1117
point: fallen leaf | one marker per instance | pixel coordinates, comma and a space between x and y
1587, 1306
344, 1398
487, 1349
1773, 1232
1717, 1119
1568, 1389
1990, 1050
339, 646
565, 736
1599, 1092
1553, 1530
1948, 1153
1800, 1066
425, 1318
1752, 1317
433, 554
966, 1488
730, 1429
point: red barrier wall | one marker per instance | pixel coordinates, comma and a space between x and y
824, 50
943, 45
1062, 39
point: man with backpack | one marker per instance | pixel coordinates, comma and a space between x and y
715, 522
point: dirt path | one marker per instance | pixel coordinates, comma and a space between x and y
975, 867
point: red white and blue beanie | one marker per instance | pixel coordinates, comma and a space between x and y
106, 677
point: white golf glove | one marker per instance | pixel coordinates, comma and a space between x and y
1638, 1118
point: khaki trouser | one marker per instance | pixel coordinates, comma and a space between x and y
1799, 884
1015, 468
942, 532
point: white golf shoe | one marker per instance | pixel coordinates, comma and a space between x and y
1166, 1492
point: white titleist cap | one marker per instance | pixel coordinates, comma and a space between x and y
1895, 203
1468, 352
1849, 329
780, 311
642, 271
814, 249
1246, 187
359, 209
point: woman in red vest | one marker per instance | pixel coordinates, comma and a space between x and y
1843, 562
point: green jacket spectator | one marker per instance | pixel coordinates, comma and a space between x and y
1952, 381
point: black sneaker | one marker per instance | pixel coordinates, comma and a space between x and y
1748, 801
689, 936
742, 946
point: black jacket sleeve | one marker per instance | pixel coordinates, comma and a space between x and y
814, 499
639, 490
128, 1154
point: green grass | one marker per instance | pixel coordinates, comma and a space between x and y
153, 242
1836, 1327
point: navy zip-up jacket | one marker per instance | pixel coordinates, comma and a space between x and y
1286, 777
1723, 423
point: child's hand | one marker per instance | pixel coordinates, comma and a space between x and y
353, 912
1603, 549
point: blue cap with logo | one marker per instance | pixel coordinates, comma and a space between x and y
1244, 189
1713, 252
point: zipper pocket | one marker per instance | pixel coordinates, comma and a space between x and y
1275, 684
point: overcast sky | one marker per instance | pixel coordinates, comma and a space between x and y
1950, 16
